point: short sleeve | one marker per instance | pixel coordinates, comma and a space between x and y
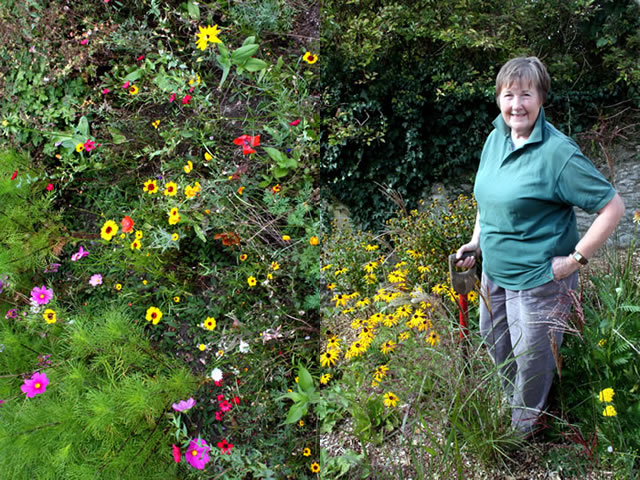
580, 184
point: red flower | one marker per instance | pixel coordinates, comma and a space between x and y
125, 85
219, 415
127, 224
15, 174
105, 91
295, 122
141, 57
236, 400
89, 145
247, 141
84, 41
186, 99
224, 406
221, 397
218, 383
225, 447
50, 187
172, 97
176, 453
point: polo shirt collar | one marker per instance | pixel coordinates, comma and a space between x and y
536, 134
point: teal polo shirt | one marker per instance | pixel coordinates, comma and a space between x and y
525, 201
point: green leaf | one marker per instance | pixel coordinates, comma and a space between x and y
117, 136
83, 126
194, 10
278, 173
242, 54
199, 233
296, 397
249, 41
296, 412
255, 65
133, 76
304, 379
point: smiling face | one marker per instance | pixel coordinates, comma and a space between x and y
520, 105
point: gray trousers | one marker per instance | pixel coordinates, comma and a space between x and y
517, 326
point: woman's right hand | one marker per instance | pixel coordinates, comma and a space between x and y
470, 261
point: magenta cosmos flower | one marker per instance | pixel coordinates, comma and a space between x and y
183, 405
95, 280
81, 253
197, 455
41, 295
35, 385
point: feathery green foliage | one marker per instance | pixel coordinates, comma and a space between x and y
102, 413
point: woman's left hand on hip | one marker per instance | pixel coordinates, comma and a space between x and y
563, 266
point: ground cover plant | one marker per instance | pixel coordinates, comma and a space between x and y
405, 394
160, 247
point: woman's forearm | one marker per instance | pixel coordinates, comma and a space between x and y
602, 227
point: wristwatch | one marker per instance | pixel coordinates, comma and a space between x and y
577, 256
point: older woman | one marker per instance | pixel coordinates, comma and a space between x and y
529, 179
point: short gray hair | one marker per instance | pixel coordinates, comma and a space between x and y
529, 69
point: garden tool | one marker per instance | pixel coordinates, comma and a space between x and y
462, 282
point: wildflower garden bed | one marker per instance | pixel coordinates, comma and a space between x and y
159, 252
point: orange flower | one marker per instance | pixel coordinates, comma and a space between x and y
276, 188
314, 240
127, 224
247, 141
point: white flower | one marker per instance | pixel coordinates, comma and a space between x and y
35, 309
216, 374
243, 347
610, 449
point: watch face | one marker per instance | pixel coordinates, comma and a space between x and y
579, 258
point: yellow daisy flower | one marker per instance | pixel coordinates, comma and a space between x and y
49, 316
153, 315
310, 58
108, 230
207, 35
150, 186
210, 323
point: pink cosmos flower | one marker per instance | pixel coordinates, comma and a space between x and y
186, 99
183, 405
176, 450
79, 254
89, 145
125, 85
32, 49
105, 91
41, 295
197, 455
84, 41
95, 280
11, 313
172, 97
35, 385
